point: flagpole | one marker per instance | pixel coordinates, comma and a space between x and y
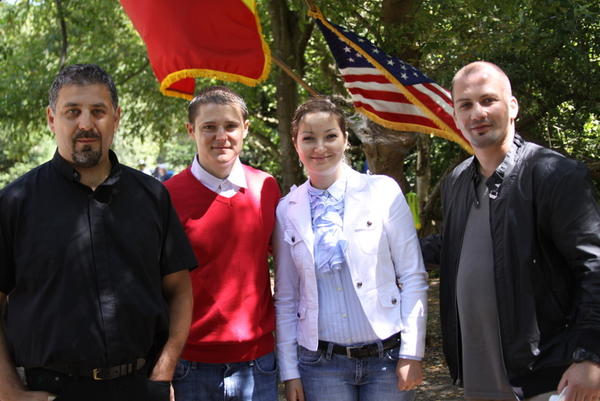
293, 75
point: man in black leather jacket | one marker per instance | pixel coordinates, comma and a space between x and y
519, 257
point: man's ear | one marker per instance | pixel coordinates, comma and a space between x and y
513, 108
117, 118
190, 130
50, 118
246, 127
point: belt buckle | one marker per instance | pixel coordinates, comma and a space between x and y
95, 374
349, 351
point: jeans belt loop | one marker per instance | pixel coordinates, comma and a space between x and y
380, 348
329, 351
349, 351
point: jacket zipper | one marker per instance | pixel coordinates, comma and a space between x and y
497, 303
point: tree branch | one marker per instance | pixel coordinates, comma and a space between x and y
136, 72
63, 31
303, 43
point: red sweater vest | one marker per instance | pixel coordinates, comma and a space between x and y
233, 318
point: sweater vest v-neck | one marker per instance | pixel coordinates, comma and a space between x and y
233, 318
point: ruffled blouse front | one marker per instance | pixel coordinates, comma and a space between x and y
327, 211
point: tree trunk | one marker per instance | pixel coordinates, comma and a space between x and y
288, 46
385, 148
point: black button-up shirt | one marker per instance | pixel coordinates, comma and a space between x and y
83, 269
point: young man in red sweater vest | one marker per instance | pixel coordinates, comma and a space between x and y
228, 212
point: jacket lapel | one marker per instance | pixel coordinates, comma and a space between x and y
354, 201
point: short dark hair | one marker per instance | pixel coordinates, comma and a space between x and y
315, 105
81, 75
217, 94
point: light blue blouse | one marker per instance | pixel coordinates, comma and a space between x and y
341, 317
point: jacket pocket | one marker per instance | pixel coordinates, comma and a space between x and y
367, 235
389, 297
298, 248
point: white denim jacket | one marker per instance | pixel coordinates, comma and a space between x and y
383, 257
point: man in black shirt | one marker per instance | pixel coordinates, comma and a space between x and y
94, 264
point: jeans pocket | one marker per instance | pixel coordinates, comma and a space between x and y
266, 364
158, 390
182, 370
309, 357
392, 354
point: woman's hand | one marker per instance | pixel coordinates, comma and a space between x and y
294, 390
410, 374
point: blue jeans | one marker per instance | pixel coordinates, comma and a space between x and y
241, 381
332, 377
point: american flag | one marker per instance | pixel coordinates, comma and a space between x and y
388, 90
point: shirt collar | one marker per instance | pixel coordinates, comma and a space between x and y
68, 171
237, 177
495, 181
510, 159
335, 190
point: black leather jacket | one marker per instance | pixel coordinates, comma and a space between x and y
545, 225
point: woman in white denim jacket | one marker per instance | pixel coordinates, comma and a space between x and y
350, 285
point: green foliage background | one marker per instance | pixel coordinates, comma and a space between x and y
549, 48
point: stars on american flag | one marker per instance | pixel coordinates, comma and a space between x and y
388, 89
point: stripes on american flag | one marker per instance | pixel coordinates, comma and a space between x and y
388, 90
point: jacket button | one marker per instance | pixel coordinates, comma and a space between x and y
369, 223
359, 284
394, 301
293, 239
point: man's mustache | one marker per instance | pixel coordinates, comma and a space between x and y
85, 134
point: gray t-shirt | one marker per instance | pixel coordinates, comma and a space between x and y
484, 373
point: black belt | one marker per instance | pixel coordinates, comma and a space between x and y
108, 373
361, 351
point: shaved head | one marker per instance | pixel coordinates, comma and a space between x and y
486, 67
485, 110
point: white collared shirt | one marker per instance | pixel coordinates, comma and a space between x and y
226, 187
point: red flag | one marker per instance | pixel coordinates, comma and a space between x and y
388, 90
186, 39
